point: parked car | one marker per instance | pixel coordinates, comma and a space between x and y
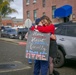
59, 24
10, 33
56, 26
5, 28
22, 32
66, 41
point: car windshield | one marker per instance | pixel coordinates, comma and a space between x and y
11, 30
23, 29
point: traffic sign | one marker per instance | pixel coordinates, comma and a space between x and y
28, 23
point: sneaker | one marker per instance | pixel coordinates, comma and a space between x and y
29, 61
50, 74
56, 72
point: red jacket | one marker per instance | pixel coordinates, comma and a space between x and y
45, 29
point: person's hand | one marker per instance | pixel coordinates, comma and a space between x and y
36, 30
53, 36
35, 26
26, 36
40, 24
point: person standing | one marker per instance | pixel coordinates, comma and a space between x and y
46, 28
37, 21
39, 65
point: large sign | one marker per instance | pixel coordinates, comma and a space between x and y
37, 45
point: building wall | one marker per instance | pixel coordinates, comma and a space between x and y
33, 6
11, 22
18, 24
7, 22
47, 9
60, 3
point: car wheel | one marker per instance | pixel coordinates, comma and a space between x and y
20, 37
10, 37
59, 60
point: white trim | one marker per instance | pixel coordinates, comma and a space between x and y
27, 3
34, 1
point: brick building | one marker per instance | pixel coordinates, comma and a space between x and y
36, 8
8, 21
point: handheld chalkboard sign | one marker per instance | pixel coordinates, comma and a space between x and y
37, 45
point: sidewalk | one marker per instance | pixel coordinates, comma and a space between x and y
20, 42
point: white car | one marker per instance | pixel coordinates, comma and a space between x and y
66, 41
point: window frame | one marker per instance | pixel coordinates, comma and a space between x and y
62, 31
34, 1
35, 14
53, 9
27, 2
72, 30
28, 14
43, 3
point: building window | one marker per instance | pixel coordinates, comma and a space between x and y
28, 14
44, 14
27, 2
44, 3
35, 14
34, 1
53, 9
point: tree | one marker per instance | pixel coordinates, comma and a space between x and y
5, 9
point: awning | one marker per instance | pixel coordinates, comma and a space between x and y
63, 11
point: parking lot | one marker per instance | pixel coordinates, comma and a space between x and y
18, 51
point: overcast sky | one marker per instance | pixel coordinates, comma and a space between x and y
17, 4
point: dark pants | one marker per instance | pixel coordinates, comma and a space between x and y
41, 66
53, 49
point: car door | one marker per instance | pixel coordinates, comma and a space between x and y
66, 37
9, 32
71, 37
5, 33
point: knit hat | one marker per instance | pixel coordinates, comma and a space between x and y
37, 21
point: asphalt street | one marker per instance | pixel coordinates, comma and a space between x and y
13, 54
13, 61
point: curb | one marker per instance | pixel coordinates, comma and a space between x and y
22, 43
